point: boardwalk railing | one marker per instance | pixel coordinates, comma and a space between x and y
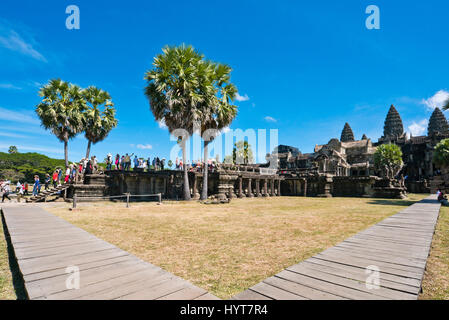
126, 197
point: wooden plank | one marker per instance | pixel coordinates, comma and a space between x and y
46, 245
275, 293
399, 246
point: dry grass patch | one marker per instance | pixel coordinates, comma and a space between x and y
227, 248
436, 279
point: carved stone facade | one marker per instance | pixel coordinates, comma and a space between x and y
348, 159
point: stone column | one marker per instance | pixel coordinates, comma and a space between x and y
279, 188
305, 187
240, 187
250, 189
272, 188
265, 188
196, 195
257, 194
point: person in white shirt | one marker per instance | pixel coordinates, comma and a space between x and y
6, 191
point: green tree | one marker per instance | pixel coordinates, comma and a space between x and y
388, 157
441, 153
99, 117
12, 150
174, 90
217, 111
242, 153
61, 111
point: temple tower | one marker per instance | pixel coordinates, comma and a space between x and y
364, 137
438, 123
347, 135
393, 127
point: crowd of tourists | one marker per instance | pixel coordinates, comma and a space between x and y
128, 162
75, 171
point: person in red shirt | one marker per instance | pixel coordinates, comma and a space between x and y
55, 179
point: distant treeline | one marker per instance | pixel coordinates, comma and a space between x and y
23, 166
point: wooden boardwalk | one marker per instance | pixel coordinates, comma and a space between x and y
397, 246
45, 246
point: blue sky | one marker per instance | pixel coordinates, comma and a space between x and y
302, 67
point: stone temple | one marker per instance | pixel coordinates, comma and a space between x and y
345, 167
342, 167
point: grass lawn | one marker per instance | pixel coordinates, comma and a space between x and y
227, 248
436, 278
6, 284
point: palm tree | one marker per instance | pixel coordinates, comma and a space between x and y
97, 123
218, 111
174, 92
61, 111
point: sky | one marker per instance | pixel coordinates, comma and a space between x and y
303, 68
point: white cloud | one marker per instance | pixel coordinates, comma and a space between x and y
438, 100
9, 86
418, 128
13, 41
17, 116
13, 135
225, 129
241, 98
21, 148
270, 119
144, 146
162, 124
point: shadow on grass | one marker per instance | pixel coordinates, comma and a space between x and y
17, 278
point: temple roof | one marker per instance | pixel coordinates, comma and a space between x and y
364, 137
437, 123
393, 126
347, 135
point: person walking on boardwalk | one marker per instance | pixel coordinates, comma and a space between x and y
36, 186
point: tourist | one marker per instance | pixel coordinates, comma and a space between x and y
162, 163
25, 188
59, 176
19, 194
117, 162
67, 175
442, 198
47, 181
89, 167
149, 163
136, 163
177, 163
5, 190
36, 186
18, 186
73, 172
55, 178
109, 162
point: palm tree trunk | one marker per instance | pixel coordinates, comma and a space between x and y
186, 174
205, 172
88, 149
66, 153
